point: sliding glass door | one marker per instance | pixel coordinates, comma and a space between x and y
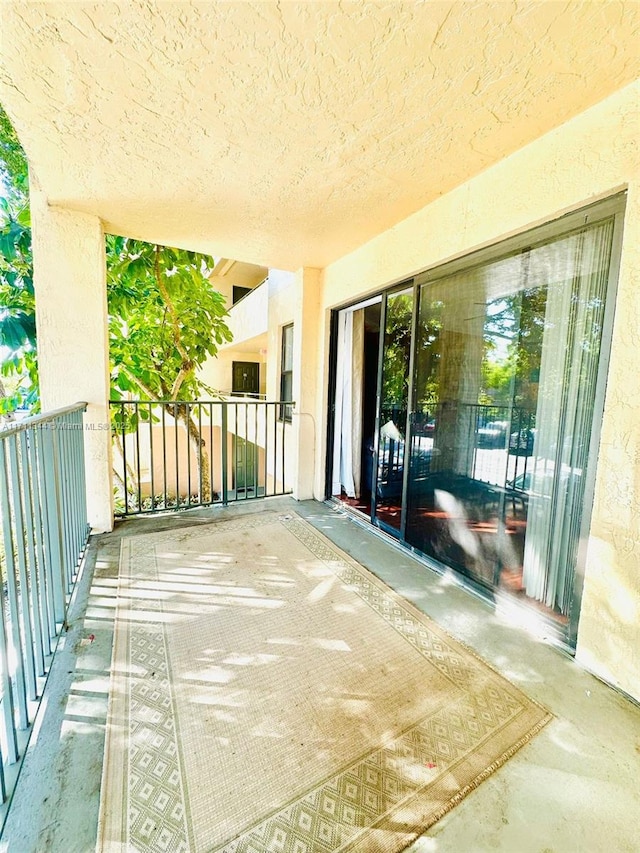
477, 448
506, 360
395, 364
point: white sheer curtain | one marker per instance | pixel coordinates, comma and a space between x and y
347, 444
357, 390
575, 272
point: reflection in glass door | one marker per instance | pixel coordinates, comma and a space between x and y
475, 449
395, 367
505, 365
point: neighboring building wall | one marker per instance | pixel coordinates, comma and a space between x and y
589, 157
228, 274
283, 288
258, 321
248, 319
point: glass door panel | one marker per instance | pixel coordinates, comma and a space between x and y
459, 434
505, 369
393, 406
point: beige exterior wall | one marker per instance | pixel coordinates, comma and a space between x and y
73, 351
255, 323
282, 304
249, 318
305, 370
589, 157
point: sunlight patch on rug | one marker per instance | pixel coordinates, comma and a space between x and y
270, 694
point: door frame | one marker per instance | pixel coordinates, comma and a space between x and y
399, 533
611, 206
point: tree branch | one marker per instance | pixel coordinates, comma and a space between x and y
182, 375
141, 385
177, 338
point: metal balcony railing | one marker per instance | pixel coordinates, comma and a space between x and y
44, 530
179, 455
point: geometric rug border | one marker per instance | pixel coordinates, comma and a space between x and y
300, 826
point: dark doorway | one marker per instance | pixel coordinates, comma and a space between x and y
245, 465
240, 293
246, 378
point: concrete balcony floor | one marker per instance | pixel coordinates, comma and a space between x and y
574, 787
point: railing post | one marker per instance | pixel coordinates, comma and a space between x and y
225, 472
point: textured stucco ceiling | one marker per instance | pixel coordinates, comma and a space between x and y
289, 133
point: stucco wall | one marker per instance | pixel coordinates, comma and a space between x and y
71, 317
248, 319
591, 156
229, 274
282, 303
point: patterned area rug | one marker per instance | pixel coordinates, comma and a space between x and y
270, 694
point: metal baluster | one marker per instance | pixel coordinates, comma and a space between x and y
125, 472
76, 535
63, 443
47, 565
82, 507
187, 417
275, 449
52, 494
8, 720
3, 785
265, 408
24, 614
284, 435
175, 431
139, 478
225, 485
151, 462
256, 461
86, 528
201, 496
164, 455
38, 565
15, 643
236, 448
211, 460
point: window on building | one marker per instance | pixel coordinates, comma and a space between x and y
286, 372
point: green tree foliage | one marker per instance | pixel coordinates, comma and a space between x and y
512, 379
14, 173
397, 350
17, 309
165, 319
17, 305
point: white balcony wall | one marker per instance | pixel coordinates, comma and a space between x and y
249, 318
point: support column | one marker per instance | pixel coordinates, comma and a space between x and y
73, 345
305, 379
